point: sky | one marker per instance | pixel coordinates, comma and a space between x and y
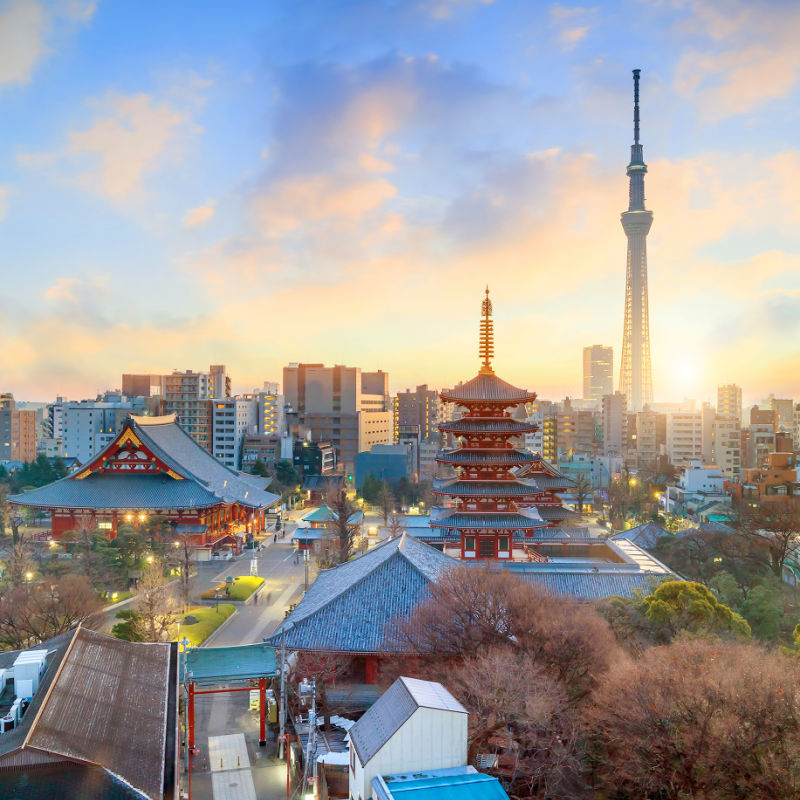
253, 184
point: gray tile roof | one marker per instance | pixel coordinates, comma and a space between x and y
486, 425
207, 482
390, 580
119, 491
393, 709
171, 442
645, 536
488, 387
492, 520
509, 488
551, 513
594, 586
475, 456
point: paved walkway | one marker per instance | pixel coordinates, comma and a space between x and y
231, 777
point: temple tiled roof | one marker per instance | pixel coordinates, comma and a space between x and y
466, 456
119, 492
355, 607
489, 521
487, 386
644, 536
201, 482
485, 488
486, 425
551, 513
586, 585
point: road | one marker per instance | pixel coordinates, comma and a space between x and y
225, 714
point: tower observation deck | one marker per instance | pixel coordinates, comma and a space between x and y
636, 377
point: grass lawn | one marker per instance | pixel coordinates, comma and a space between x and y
208, 620
241, 588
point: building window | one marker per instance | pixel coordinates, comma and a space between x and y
503, 543
469, 543
487, 548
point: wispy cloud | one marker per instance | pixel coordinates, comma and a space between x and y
25, 29
127, 138
196, 217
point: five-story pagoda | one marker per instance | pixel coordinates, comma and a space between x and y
486, 491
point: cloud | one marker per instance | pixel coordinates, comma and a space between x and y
290, 203
26, 28
128, 138
5, 192
24, 25
749, 59
196, 217
567, 20
444, 9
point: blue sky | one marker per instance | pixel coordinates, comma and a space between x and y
258, 183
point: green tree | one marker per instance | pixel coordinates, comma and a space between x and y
763, 609
371, 489
260, 468
677, 606
286, 474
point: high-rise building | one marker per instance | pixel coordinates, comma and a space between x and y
232, 418
729, 401
636, 378
647, 437
685, 437
341, 405
17, 432
614, 418
784, 408
598, 372
189, 395
420, 407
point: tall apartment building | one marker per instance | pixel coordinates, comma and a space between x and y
598, 372
342, 405
189, 394
543, 414
614, 418
231, 419
647, 440
784, 409
726, 446
88, 427
576, 431
420, 407
17, 432
758, 441
729, 401
271, 419
685, 437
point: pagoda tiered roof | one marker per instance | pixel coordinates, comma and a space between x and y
487, 425
475, 456
487, 386
490, 520
502, 488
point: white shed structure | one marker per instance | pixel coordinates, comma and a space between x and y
415, 725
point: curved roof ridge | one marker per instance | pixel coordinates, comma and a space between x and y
393, 545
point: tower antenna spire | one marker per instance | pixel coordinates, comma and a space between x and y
636, 73
486, 347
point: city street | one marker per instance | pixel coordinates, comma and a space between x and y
223, 715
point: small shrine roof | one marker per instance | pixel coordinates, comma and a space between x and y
487, 386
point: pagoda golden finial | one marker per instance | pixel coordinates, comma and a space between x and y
486, 348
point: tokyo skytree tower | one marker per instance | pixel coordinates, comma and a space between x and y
636, 376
